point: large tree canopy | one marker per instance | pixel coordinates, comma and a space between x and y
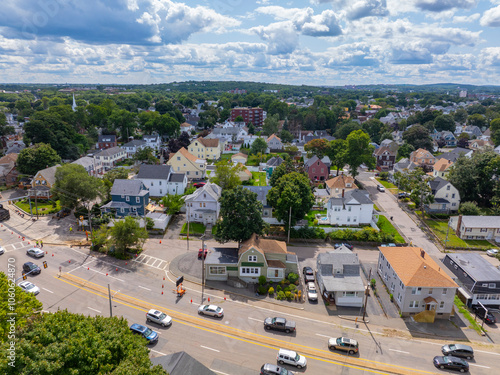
74, 185
419, 137
127, 234
226, 174
33, 159
359, 151
288, 166
240, 216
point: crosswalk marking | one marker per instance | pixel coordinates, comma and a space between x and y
151, 261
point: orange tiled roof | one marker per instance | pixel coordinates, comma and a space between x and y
442, 165
9, 158
263, 246
415, 270
421, 153
187, 154
340, 182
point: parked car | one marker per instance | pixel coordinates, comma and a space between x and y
343, 343
35, 252
211, 310
202, 253
2, 250
279, 324
29, 287
62, 213
270, 369
492, 252
458, 350
403, 195
380, 188
308, 274
450, 362
312, 292
480, 311
199, 184
291, 357
146, 332
348, 245
158, 317
31, 268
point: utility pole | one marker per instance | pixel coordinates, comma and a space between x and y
447, 232
188, 227
36, 203
110, 304
289, 223
202, 267
367, 292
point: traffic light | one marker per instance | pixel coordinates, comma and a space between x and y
179, 280
45, 264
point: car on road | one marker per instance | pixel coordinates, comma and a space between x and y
308, 274
492, 252
279, 324
312, 292
211, 310
158, 317
348, 245
35, 252
145, 332
32, 268
451, 363
403, 195
202, 253
270, 369
343, 343
29, 287
199, 184
291, 357
380, 188
2, 250
458, 350
481, 312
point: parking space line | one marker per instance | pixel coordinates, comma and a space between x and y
156, 351
482, 351
257, 320
319, 334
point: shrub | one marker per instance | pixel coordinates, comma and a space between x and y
287, 289
299, 293
373, 282
271, 291
278, 288
292, 277
262, 290
384, 176
391, 297
262, 280
292, 288
280, 296
288, 295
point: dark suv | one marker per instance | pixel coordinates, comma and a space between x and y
480, 311
31, 267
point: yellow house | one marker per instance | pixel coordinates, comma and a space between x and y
204, 148
43, 182
185, 162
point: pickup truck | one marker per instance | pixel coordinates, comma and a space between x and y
279, 324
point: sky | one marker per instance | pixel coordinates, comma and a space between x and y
311, 42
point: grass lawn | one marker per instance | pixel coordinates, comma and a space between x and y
311, 216
386, 226
461, 308
226, 157
376, 207
259, 178
43, 207
440, 228
386, 184
194, 228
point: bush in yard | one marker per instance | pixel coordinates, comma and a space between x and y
287, 289
262, 289
373, 282
292, 277
288, 295
278, 288
299, 293
271, 291
292, 288
281, 295
384, 176
262, 280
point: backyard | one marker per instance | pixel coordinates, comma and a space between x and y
386, 184
386, 226
259, 178
311, 216
196, 229
441, 227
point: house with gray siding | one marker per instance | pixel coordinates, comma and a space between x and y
161, 180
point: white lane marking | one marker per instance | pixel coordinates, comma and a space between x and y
219, 372
318, 334
144, 288
206, 347
399, 351
93, 309
257, 320
154, 262
472, 364
481, 351
106, 274
48, 290
155, 351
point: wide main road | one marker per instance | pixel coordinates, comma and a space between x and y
237, 344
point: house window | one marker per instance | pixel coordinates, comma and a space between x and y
468, 230
441, 305
137, 200
178, 158
250, 271
122, 210
430, 290
484, 230
349, 209
399, 297
416, 290
217, 270
453, 195
161, 192
200, 205
349, 294
127, 198
123, 196
204, 204
448, 187
160, 183
152, 183
413, 304
492, 285
252, 258
445, 290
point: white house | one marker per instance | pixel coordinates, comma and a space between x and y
88, 163
421, 288
133, 146
274, 142
203, 205
161, 180
152, 141
353, 207
446, 196
107, 159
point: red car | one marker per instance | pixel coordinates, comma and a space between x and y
202, 253
199, 184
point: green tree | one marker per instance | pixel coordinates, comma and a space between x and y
146, 155
69, 343
405, 150
26, 305
240, 216
259, 145
251, 128
337, 153
476, 120
288, 166
271, 125
4, 128
286, 136
374, 128
417, 182
469, 208
33, 159
172, 203
73, 185
226, 175
124, 121
495, 131
460, 115
419, 137
291, 192
239, 119
126, 235
346, 129
100, 237
359, 151
318, 147
445, 122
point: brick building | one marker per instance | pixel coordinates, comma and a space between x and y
253, 115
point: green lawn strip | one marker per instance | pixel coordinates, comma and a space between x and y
259, 178
226, 156
441, 227
386, 184
376, 207
386, 226
461, 308
311, 216
194, 228
44, 208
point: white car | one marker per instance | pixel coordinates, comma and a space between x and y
211, 310
158, 317
492, 252
312, 292
2, 250
35, 252
29, 287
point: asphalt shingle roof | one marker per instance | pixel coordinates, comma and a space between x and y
128, 187
160, 172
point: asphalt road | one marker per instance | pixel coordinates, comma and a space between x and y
237, 344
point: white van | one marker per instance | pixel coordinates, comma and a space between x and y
291, 358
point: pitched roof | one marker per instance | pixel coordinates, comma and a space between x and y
421, 153
128, 187
107, 138
274, 161
442, 165
110, 151
379, 151
85, 161
437, 184
177, 177
159, 172
415, 270
9, 158
239, 155
209, 188
181, 363
261, 192
340, 182
263, 246
209, 142
481, 221
135, 143
352, 197
185, 125
187, 154
49, 174
273, 136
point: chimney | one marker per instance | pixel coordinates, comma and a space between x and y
343, 190
422, 253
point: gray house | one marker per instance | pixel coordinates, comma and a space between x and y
339, 278
181, 363
478, 278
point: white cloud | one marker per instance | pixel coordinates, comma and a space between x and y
367, 8
281, 36
491, 17
466, 19
441, 5
490, 57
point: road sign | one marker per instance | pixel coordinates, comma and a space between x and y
179, 280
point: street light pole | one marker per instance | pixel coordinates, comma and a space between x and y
110, 304
202, 267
